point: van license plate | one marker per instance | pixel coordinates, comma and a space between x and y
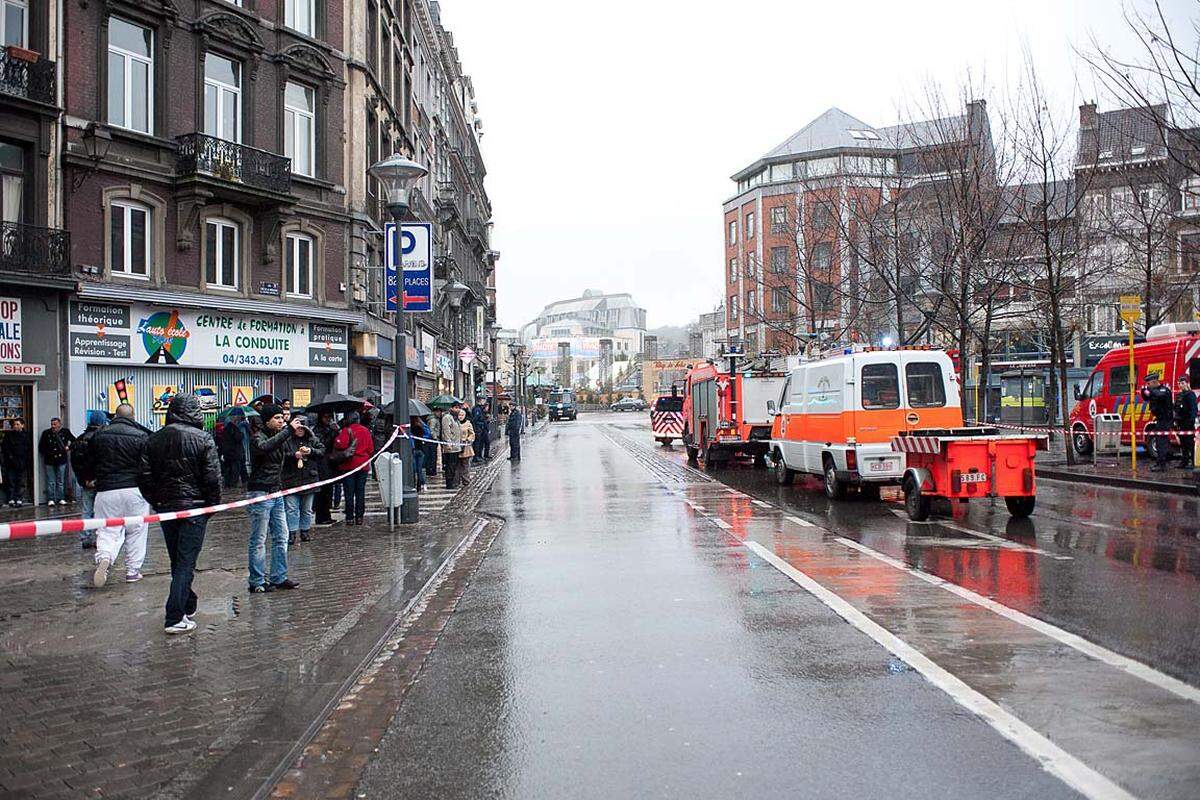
883, 466
974, 477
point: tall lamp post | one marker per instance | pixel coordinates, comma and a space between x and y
514, 349
493, 329
397, 174
455, 292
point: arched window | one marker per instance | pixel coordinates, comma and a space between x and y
222, 253
298, 265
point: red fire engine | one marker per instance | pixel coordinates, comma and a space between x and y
725, 413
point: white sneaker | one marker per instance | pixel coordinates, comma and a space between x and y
184, 625
133, 577
101, 575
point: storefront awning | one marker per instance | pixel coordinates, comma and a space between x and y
123, 293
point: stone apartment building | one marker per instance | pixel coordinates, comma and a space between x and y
204, 183
408, 93
796, 247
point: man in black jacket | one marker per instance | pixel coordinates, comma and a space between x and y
84, 467
16, 451
268, 449
1185, 421
1158, 398
326, 430
115, 457
54, 446
180, 470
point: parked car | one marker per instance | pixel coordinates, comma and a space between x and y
629, 404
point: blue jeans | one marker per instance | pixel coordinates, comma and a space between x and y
267, 517
419, 465
184, 538
88, 500
355, 488
56, 479
299, 511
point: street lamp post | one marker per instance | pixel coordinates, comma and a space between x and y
455, 293
493, 329
397, 174
514, 349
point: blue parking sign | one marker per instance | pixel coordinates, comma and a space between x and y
409, 267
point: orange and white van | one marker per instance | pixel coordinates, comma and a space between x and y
836, 416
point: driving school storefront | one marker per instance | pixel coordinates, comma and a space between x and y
144, 354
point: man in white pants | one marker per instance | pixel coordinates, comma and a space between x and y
116, 451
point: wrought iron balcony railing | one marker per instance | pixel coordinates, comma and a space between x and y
33, 249
201, 154
32, 78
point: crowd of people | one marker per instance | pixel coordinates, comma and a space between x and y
121, 469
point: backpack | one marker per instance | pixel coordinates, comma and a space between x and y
338, 456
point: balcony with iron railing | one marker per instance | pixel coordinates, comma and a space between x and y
25, 74
240, 167
35, 250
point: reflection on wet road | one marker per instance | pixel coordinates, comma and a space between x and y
641, 630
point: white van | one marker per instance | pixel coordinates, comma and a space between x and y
836, 416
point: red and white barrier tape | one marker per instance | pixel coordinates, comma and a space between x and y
1124, 431
48, 527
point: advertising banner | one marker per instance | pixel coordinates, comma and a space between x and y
10, 330
162, 397
581, 347
241, 395
140, 334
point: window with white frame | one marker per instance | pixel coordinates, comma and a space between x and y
1191, 195
14, 23
780, 302
298, 265
750, 225
130, 237
779, 260
222, 256
733, 270
751, 303
779, 219
299, 128
222, 98
733, 306
300, 16
130, 75
733, 231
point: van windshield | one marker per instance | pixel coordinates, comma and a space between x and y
668, 404
925, 386
562, 397
880, 386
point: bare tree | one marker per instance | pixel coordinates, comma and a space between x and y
1043, 212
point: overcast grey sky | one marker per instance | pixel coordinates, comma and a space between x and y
611, 128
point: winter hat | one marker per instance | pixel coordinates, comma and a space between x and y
96, 417
269, 410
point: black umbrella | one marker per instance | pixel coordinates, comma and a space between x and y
267, 398
369, 393
336, 404
415, 408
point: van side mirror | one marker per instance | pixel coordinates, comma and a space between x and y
771, 408
1078, 392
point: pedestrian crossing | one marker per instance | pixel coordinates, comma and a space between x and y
434, 499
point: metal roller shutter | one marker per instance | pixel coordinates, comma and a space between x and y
143, 380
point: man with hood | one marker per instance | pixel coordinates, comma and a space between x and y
180, 469
16, 452
85, 472
116, 460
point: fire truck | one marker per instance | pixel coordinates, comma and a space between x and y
725, 413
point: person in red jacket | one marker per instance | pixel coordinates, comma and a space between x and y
353, 447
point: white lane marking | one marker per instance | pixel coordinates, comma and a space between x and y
720, 523
1123, 663
801, 522
761, 504
1058, 762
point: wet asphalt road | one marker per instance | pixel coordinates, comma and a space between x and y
639, 630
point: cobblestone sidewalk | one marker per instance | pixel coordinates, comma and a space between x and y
95, 701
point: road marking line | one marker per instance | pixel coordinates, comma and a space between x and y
720, 523
1058, 762
1102, 654
801, 522
761, 504
1000, 540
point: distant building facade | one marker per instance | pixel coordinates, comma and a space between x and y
585, 323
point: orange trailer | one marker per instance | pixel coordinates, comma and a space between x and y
961, 463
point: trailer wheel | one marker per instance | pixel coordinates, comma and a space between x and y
783, 475
834, 488
1080, 441
915, 503
1020, 507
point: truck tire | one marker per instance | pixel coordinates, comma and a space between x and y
1081, 442
783, 475
834, 488
1020, 507
915, 503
